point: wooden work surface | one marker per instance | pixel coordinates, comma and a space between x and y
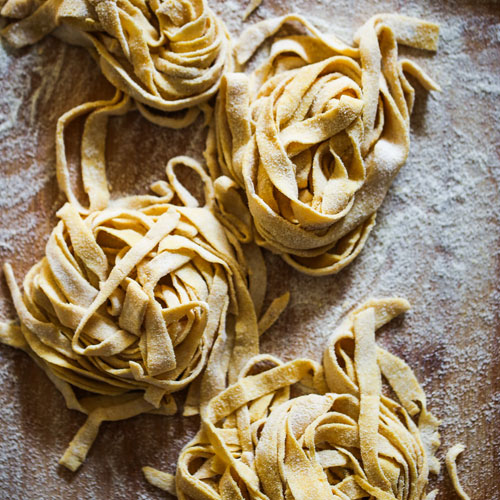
436, 243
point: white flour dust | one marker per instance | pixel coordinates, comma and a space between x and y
435, 243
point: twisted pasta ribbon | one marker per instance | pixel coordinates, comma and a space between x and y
315, 136
138, 297
169, 56
451, 465
344, 440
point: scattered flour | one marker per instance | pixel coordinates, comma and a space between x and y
436, 243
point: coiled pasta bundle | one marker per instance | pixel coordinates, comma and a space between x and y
343, 440
137, 297
168, 56
315, 136
133, 302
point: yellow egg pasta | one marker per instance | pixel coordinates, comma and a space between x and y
253, 5
300, 430
139, 296
314, 136
168, 56
451, 465
133, 301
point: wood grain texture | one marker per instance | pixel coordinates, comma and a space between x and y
436, 243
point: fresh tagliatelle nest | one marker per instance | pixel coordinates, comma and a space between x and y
315, 135
343, 439
140, 297
168, 56
133, 302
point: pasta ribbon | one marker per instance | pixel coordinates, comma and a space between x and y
140, 296
137, 299
451, 465
167, 56
299, 430
315, 136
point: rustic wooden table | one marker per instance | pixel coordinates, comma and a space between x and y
436, 243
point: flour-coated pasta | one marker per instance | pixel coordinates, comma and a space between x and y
341, 437
168, 56
314, 136
137, 297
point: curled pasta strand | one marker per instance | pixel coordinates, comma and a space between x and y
169, 57
93, 161
451, 465
253, 5
185, 196
303, 149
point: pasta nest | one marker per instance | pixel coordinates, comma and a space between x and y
133, 302
337, 437
169, 56
315, 135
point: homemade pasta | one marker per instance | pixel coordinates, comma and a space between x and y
138, 297
168, 56
451, 465
143, 296
315, 135
340, 437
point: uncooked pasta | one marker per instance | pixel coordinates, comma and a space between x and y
339, 436
140, 297
314, 136
168, 56
137, 297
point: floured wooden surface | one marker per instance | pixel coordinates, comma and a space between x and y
435, 243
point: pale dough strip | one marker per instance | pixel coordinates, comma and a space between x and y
451, 465
314, 136
168, 56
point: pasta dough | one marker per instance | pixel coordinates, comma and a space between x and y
133, 298
315, 136
168, 56
451, 465
342, 439
138, 297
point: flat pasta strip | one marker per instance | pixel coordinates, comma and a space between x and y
451, 465
314, 136
168, 56
137, 297
299, 430
253, 5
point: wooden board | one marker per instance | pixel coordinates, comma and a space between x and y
435, 243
